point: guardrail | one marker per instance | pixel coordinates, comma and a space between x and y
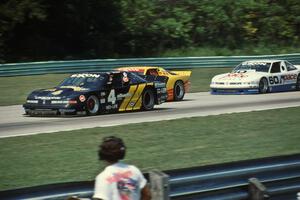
271, 178
33, 68
279, 175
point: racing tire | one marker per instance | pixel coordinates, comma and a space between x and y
298, 83
178, 91
263, 86
148, 100
92, 105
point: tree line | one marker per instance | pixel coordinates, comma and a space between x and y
34, 30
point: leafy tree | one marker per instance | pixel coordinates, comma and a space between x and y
14, 14
78, 29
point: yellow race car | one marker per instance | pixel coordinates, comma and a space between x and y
178, 82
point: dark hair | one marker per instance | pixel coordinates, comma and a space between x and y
112, 149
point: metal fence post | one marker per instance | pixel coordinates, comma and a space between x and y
159, 183
257, 191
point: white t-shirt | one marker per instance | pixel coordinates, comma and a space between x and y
119, 182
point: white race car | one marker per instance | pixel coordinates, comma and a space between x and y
258, 76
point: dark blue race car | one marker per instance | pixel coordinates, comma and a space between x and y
94, 93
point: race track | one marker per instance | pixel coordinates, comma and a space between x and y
14, 123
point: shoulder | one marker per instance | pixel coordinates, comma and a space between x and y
106, 172
133, 168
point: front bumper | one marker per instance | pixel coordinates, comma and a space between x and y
234, 91
63, 109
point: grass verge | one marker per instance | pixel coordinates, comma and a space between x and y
72, 155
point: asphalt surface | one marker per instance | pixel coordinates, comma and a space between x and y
13, 122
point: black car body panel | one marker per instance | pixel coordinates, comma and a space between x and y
93, 93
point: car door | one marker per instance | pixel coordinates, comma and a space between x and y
289, 76
274, 79
281, 79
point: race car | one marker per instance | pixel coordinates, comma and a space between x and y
93, 93
258, 76
178, 82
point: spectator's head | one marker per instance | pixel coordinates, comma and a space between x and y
112, 149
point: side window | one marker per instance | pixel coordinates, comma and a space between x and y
275, 67
282, 66
152, 72
117, 81
289, 66
135, 79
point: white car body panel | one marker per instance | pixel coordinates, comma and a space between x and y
280, 76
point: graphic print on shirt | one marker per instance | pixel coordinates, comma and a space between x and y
125, 184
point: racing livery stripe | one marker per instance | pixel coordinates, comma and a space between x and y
138, 104
132, 90
135, 101
187, 86
170, 94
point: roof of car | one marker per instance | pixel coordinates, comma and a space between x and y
263, 61
136, 68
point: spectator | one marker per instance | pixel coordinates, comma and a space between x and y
119, 181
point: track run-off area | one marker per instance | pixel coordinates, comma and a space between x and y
13, 122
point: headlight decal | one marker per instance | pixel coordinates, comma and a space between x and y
59, 102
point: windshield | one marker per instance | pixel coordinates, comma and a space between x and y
85, 80
256, 66
135, 78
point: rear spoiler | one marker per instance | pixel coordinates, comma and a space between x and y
183, 73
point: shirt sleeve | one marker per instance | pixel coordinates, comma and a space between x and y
101, 190
141, 178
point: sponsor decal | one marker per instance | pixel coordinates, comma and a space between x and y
102, 101
58, 92
237, 75
109, 107
159, 85
124, 95
46, 98
85, 75
290, 77
125, 77
75, 88
50, 90
254, 63
82, 98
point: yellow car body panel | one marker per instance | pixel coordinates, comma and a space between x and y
173, 77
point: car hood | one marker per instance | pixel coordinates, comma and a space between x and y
58, 92
239, 76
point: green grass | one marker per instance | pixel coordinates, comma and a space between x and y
14, 90
72, 155
201, 77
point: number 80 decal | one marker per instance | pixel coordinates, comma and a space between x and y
275, 80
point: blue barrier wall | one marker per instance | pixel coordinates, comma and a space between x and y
32, 68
